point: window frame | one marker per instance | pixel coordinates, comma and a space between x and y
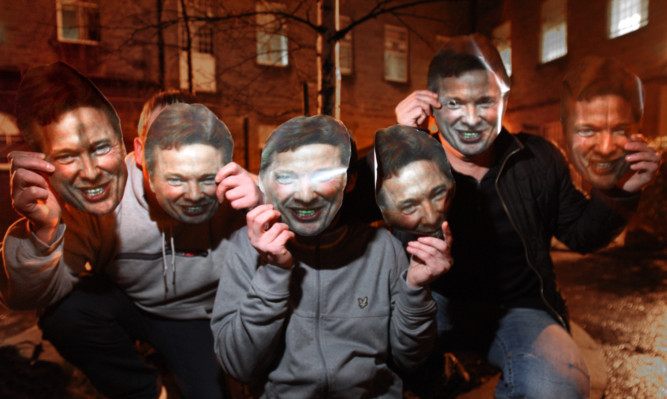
546, 27
502, 39
264, 56
393, 51
79, 5
643, 7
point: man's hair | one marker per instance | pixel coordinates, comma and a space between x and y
161, 99
461, 54
598, 76
47, 92
182, 124
398, 146
305, 130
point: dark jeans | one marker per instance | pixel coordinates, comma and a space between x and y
95, 328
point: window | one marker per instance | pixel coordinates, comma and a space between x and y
554, 30
502, 38
395, 53
271, 35
346, 54
203, 60
627, 16
202, 40
78, 21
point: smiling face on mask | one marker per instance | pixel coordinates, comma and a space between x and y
183, 181
88, 155
306, 186
303, 172
472, 109
596, 132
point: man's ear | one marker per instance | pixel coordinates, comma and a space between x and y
139, 152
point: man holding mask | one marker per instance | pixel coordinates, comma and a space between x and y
513, 194
308, 305
137, 273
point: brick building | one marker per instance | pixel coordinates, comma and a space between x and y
547, 37
257, 71
254, 72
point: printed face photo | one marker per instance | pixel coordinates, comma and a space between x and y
90, 172
416, 198
596, 132
183, 181
306, 186
472, 109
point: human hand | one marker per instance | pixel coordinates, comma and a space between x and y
269, 236
238, 186
644, 162
431, 257
31, 195
415, 109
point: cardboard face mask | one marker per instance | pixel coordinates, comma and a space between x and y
468, 75
62, 114
185, 148
303, 173
601, 108
414, 183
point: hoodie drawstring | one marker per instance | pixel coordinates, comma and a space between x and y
173, 258
164, 264
164, 260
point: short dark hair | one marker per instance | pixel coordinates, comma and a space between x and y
398, 146
182, 124
161, 99
305, 130
46, 92
599, 76
461, 54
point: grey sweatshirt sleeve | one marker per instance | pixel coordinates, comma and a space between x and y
36, 274
31, 277
413, 331
250, 310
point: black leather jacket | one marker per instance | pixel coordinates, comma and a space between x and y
536, 190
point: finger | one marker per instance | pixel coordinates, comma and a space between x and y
447, 233
256, 227
423, 251
30, 160
26, 199
644, 167
647, 154
429, 98
436, 243
230, 169
264, 221
270, 235
259, 209
220, 192
241, 199
23, 178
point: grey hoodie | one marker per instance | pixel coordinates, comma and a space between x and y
167, 271
330, 326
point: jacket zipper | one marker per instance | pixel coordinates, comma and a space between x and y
523, 241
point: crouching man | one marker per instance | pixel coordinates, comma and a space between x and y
103, 280
309, 306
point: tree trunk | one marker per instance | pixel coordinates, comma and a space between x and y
188, 35
328, 82
160, 46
